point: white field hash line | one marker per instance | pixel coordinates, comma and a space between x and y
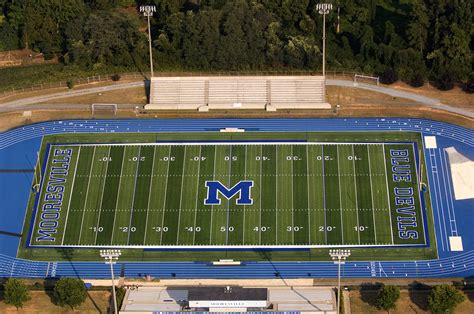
102, 196
149, 196
245, 178
324, 195
355, 187
87, 194
132, 205
372, 194
118, 194
388, 192
70, 194
164, 197
228, 200
276, 194
260, 196
181, 194
307, 191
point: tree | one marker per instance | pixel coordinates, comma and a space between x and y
16, 293
70, 292
444, 298
388, 297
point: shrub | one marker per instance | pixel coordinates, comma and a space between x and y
387, 298
389, 76
444, 298
16, 293
445, 82
70, 292
70, 84
115, 77
469, 86
417, 80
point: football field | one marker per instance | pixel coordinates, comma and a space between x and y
229, 194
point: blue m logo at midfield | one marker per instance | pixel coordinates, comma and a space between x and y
242, 188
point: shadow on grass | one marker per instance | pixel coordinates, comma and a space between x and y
68, 254
369, 292
418, 293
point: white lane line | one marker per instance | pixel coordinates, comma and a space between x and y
70, 194
388, 192
372, 194
118, 194
451, 197
181, 195
245, 178
87, 194
149, 195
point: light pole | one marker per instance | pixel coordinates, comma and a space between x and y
110, 257
339, 257
324, 8
148, 11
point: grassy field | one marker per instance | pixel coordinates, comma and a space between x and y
121, 195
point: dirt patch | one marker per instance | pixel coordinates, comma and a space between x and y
97, 302
454, 97
409, 302
134, 95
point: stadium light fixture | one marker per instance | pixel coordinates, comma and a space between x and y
323, 9
148, 11
339, 257
111, 256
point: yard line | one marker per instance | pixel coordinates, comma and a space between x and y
276, 195
212, 206
197, 194
102, 197
260, 196
324, 194
355, 187
164, 198
307, 188
228, 200
133, 196
245, 178
181, 194
118, 194
149, 194
292, 200
372, 194
388, 192
70, 194
87, 194
340, 195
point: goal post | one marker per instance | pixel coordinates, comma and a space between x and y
37, 175
104, 108
358, 78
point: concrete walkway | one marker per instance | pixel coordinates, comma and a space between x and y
31, 103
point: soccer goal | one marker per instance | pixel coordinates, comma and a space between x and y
366, 79
104, 108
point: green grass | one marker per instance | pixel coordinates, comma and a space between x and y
108, 191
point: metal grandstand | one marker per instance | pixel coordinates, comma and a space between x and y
205, 93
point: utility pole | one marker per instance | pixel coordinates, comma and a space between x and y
110, 257
339, 257
148, 11
323, 9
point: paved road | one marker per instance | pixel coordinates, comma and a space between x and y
31, 103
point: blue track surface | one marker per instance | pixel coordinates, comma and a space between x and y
18, 149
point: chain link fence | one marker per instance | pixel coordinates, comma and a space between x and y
349, 75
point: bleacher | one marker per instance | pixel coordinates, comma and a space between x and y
237, 92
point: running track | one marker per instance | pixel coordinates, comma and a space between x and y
451, 217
